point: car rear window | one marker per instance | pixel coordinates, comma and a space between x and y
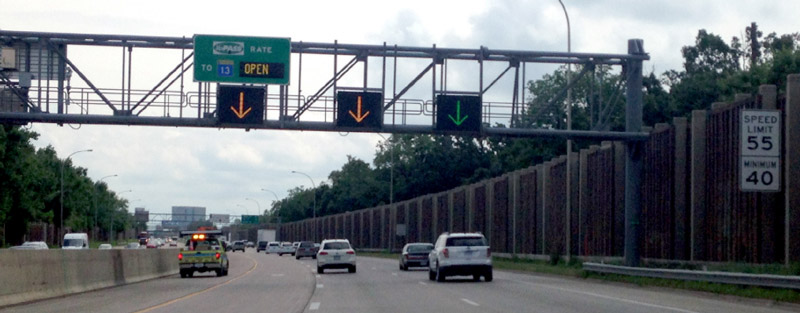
307, 244
466, 242
420, 248
336, 246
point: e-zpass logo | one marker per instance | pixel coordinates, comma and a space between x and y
228, 48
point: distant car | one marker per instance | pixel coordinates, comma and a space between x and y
238, 245
250, 244
336, 253
415, 254
273, 247
105, 246
173, 243
133, 245
305, 249
152, 244
460, 254
31, 245
262, 245
286, 248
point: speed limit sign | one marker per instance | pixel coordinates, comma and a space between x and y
760, 150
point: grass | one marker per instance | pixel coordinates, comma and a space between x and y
574, 269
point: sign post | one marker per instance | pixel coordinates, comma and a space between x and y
760, 151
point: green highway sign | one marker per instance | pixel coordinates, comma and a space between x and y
249, 219
461, 113
247, 60
240, 104
359, 109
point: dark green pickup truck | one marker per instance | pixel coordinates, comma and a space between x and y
203, 253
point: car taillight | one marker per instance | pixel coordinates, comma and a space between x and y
406, 255
446, 253
217, 255
180, 256
323, 253
351, 252
488, 252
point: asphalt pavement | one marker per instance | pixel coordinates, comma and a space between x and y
268, 283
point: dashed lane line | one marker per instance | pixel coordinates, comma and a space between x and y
470, 302
314, 306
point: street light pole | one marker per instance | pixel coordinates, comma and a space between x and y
111, 236
314, 208
94, 195
569, 141
61, 201
278, 230
258, 204
246, 210
273, 193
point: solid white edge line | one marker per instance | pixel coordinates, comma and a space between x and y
319, 285
423, 283
313, 306
611, 298
470, 302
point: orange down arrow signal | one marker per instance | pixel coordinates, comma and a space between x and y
241, 113
358, 117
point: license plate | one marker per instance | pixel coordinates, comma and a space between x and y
198, 265
337, 257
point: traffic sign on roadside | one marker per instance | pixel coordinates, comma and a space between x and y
760, 150
461, 113
231, 59
240, 104
359, 109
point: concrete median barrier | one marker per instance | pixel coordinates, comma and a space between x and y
29, 275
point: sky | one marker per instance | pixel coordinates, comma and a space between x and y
225, 170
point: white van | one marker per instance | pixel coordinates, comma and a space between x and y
76, 241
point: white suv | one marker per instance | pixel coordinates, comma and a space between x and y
459, 254
336, 253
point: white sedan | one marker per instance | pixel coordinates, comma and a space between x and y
336, 253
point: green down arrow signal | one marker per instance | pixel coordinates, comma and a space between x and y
458, 120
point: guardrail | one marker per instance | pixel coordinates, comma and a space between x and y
761, 280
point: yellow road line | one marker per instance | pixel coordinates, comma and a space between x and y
255, 265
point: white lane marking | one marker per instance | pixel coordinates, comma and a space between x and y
610, 298
314, 306
318, 276
423, 283
319, 285
470, 302
277, 275
394, 274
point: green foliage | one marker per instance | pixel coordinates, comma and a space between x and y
30, 190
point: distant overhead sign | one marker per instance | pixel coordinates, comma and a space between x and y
220, 218
249, 219
230, 59
240, 105
460, 113
760, 150
359, 109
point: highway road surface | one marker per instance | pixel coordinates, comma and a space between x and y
268, 283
